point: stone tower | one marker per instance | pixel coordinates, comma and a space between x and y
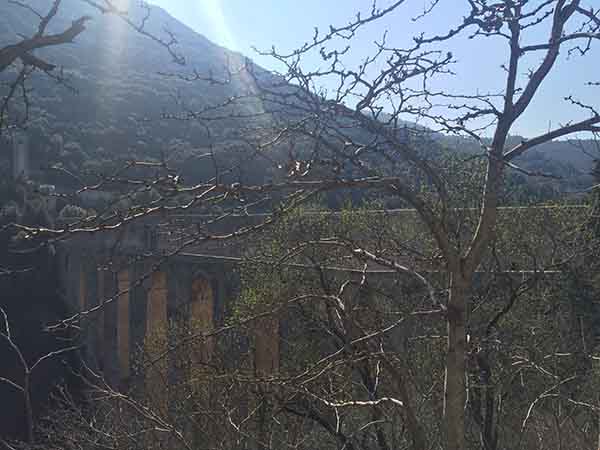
20, 155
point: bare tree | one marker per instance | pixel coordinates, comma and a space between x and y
25, 387
392, 84
353, 137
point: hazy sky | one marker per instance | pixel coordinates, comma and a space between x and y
241, 24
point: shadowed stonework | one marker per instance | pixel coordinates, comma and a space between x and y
123, 324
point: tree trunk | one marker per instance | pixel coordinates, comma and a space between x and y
417, 434
455, 386
28, 406
597, 369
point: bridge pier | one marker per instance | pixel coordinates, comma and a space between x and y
124, 337
123, 320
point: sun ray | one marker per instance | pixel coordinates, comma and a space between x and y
214, 11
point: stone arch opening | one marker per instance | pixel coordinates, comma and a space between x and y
266, 346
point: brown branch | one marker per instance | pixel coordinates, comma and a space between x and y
10, 53
562, 14
584, 125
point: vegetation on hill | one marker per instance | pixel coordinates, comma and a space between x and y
123, 98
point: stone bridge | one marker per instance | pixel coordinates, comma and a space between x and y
152, 274
147, 282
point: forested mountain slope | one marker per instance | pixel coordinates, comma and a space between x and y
120, 84
114, 95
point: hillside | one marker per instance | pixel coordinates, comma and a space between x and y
113, 106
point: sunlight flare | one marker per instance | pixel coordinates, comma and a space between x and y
214, 11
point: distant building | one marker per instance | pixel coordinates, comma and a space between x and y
48, 192
58, 144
